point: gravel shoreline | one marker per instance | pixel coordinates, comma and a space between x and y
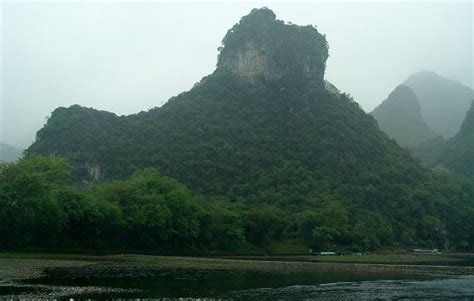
31, 268
292, 266
24, 277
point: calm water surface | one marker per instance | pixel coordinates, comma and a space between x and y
240, 285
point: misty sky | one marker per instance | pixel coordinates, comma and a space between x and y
129, 57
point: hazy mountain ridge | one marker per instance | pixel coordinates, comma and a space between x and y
400, 117
444, 102
9, 153
423, 118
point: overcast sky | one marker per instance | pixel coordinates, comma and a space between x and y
129, 57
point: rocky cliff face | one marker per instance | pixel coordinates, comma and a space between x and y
260, 46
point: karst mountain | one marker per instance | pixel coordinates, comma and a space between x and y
400, 117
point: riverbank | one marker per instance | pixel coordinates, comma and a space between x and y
53, 276
23, 266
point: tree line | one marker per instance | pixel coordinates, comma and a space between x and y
41, 208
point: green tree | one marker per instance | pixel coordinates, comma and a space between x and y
29, 212
264, 224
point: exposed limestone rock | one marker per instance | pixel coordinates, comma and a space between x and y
94, 171
260, 46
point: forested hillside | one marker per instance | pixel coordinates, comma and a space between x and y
149, 212
459, 152
264, 137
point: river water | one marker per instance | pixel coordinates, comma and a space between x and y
116, 280
174, 284
458, 288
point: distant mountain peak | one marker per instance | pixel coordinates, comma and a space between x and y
444, 102
8, 153
403, 94
260, 46
400, 117
424, 73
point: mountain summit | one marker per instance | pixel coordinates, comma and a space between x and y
400, 117
444, 102
261, 46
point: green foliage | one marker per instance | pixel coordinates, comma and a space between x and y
261, 147
241, 163
29, 212
324, 224
429, 151
84, 218
458, 155
372, 231
155, 212
265, 224
40, 208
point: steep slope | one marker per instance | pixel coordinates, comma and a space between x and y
8, 153
459, 153
261, 129
399, 116
444, 102
430, 151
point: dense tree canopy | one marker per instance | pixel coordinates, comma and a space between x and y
459, 151
150, 212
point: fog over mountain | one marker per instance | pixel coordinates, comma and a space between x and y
400, 117
443, 101
8, 153
129, 57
